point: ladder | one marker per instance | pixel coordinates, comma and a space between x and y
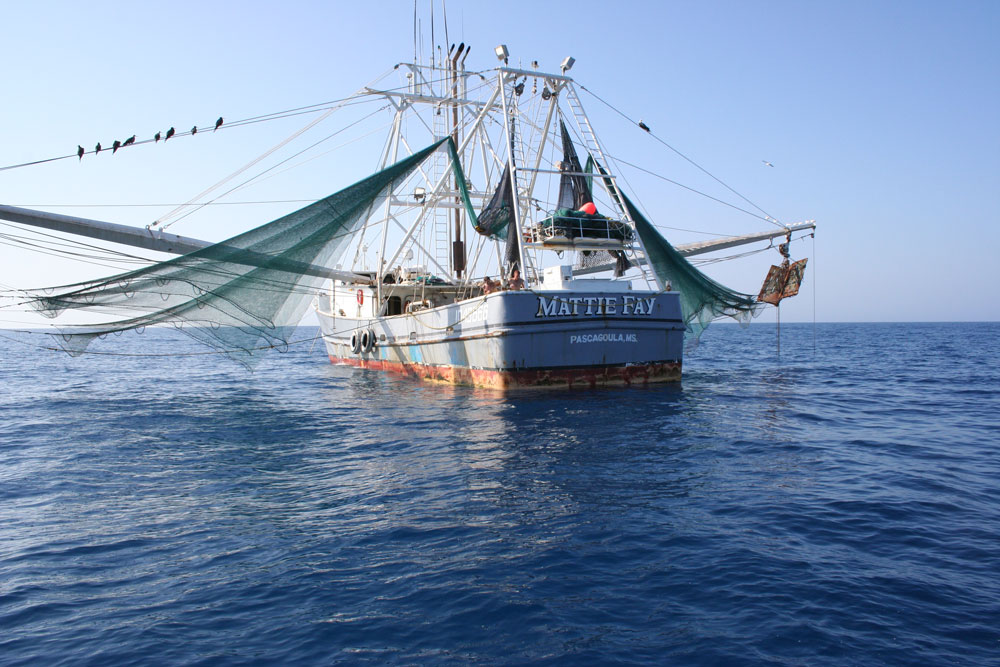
440, 220
636, 255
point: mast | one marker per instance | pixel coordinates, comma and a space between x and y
508, 121
458, 252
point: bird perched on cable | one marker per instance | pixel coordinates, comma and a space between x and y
218, 124
156, 137
170, 133
115, 146
79, 151
643, 126
129, 141
767, 163
194, 130
97, 148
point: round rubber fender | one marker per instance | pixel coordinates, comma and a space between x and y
356, 342
367, 340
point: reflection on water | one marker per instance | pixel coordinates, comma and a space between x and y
766, 510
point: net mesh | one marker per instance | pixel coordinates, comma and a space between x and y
241, 295
702, 299
574, 188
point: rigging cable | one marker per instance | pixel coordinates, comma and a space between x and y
267, 153
768, 217
616, 159
277, 115
814, 290
699, 192
361, 93
275, 166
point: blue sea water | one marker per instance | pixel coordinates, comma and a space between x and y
839, 504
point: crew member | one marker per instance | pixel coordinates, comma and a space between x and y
515, 280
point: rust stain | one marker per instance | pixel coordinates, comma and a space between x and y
572, 378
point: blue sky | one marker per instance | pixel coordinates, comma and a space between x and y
880, 119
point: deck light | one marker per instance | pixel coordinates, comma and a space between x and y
502, 53
567, 64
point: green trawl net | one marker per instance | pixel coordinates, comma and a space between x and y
702, 299
243, 294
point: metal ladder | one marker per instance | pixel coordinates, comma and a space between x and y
440, 220
594, 147
530, 271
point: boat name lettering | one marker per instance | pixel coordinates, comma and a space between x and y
573, 306
604, 338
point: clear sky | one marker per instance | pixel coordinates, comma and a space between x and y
880, 118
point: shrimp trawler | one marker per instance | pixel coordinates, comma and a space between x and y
494, 246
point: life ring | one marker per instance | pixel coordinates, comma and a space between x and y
361, 298
366, 340
356, 342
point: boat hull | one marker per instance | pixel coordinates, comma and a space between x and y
520, 339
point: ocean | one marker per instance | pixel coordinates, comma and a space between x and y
836, 504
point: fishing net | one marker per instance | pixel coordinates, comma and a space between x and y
241, 295
498, 213
574, 188
496, 217
702, 299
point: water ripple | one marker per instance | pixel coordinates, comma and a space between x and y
838, 506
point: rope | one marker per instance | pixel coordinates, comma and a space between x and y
459, 321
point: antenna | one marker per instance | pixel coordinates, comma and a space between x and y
444, 12
414, 32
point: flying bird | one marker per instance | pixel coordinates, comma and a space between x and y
170, 133
156, 137
767, 163
79, 151
129, 141
97, 148
115, 146
218, 124
643, 126
194, 130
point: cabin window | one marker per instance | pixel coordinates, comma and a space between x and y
395, 306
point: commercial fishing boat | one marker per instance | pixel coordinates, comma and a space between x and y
494, 246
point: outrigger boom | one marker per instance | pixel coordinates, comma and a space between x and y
140, 237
